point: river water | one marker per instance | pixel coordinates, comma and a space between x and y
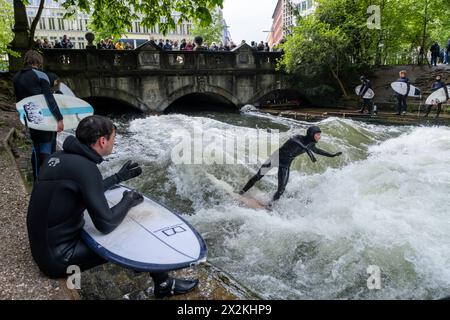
372, 224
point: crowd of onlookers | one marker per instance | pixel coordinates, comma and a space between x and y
167, 45
65, 43
109, 44
198, 44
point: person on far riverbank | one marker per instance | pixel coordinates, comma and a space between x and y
402, 106
365, 86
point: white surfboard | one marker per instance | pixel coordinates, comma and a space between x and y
402, 87
151, 238
439, 96
34, 112
66, 90
368, 95
243, 199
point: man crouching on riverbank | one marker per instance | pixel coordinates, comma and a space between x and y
69, 183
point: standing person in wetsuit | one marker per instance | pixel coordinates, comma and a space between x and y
402, 106
365, 86
294, 147
69, 183
31, 81
438, 84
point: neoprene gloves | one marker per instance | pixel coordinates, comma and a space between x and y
132, 198
128, 171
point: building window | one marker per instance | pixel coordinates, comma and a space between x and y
60, 24
137, 27
42, 24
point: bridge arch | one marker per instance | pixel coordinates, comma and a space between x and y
199, 99
276, 95
117, 95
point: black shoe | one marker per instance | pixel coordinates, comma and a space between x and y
361, 111
241, 192
397, 114
174, 286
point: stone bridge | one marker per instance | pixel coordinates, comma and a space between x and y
152, 80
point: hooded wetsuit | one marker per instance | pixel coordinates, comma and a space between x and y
294, 147
366, 85
438, 84
69, 183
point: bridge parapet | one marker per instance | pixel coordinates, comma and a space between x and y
151, 79
151, 57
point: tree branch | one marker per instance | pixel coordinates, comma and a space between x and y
35, 22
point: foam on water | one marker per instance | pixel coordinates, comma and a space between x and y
384, 203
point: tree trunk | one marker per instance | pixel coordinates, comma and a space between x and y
424, 35
341, 85
35, 22
21, 36
380, 38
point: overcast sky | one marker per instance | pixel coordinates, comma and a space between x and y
248, 19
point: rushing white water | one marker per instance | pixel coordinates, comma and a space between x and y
383, 203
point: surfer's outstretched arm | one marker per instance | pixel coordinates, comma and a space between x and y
325, 153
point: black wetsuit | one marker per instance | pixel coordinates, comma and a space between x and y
69, 183
294, 147
401, 99
435, 51
29, 82
436, 86
366, 85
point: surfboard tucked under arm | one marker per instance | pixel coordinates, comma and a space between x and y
151, 238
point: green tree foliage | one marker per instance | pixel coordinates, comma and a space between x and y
211, 33
314, 46
117, 16
336, 42
6, 25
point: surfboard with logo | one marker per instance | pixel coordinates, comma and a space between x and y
151, 238
34, 112
439, 96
